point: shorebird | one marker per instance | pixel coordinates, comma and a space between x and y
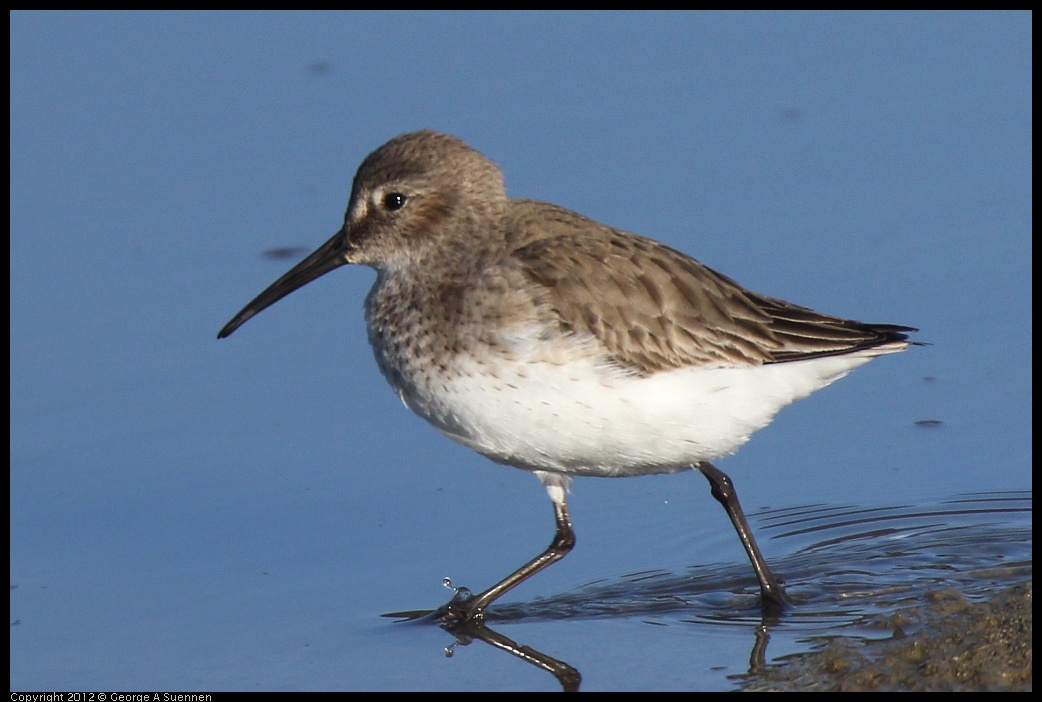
552, 343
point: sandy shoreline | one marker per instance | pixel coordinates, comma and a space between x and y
945, 644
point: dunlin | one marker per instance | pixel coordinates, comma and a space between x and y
549, 342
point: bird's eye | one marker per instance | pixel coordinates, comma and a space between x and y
393, 201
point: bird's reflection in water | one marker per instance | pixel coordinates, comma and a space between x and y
465, 632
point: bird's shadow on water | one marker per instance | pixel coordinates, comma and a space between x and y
847, 568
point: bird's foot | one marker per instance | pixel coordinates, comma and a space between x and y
461, 609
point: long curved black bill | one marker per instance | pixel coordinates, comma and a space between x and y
330, 255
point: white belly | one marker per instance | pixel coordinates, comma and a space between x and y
580, 418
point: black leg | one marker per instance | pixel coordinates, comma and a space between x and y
467, 608
771, 593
